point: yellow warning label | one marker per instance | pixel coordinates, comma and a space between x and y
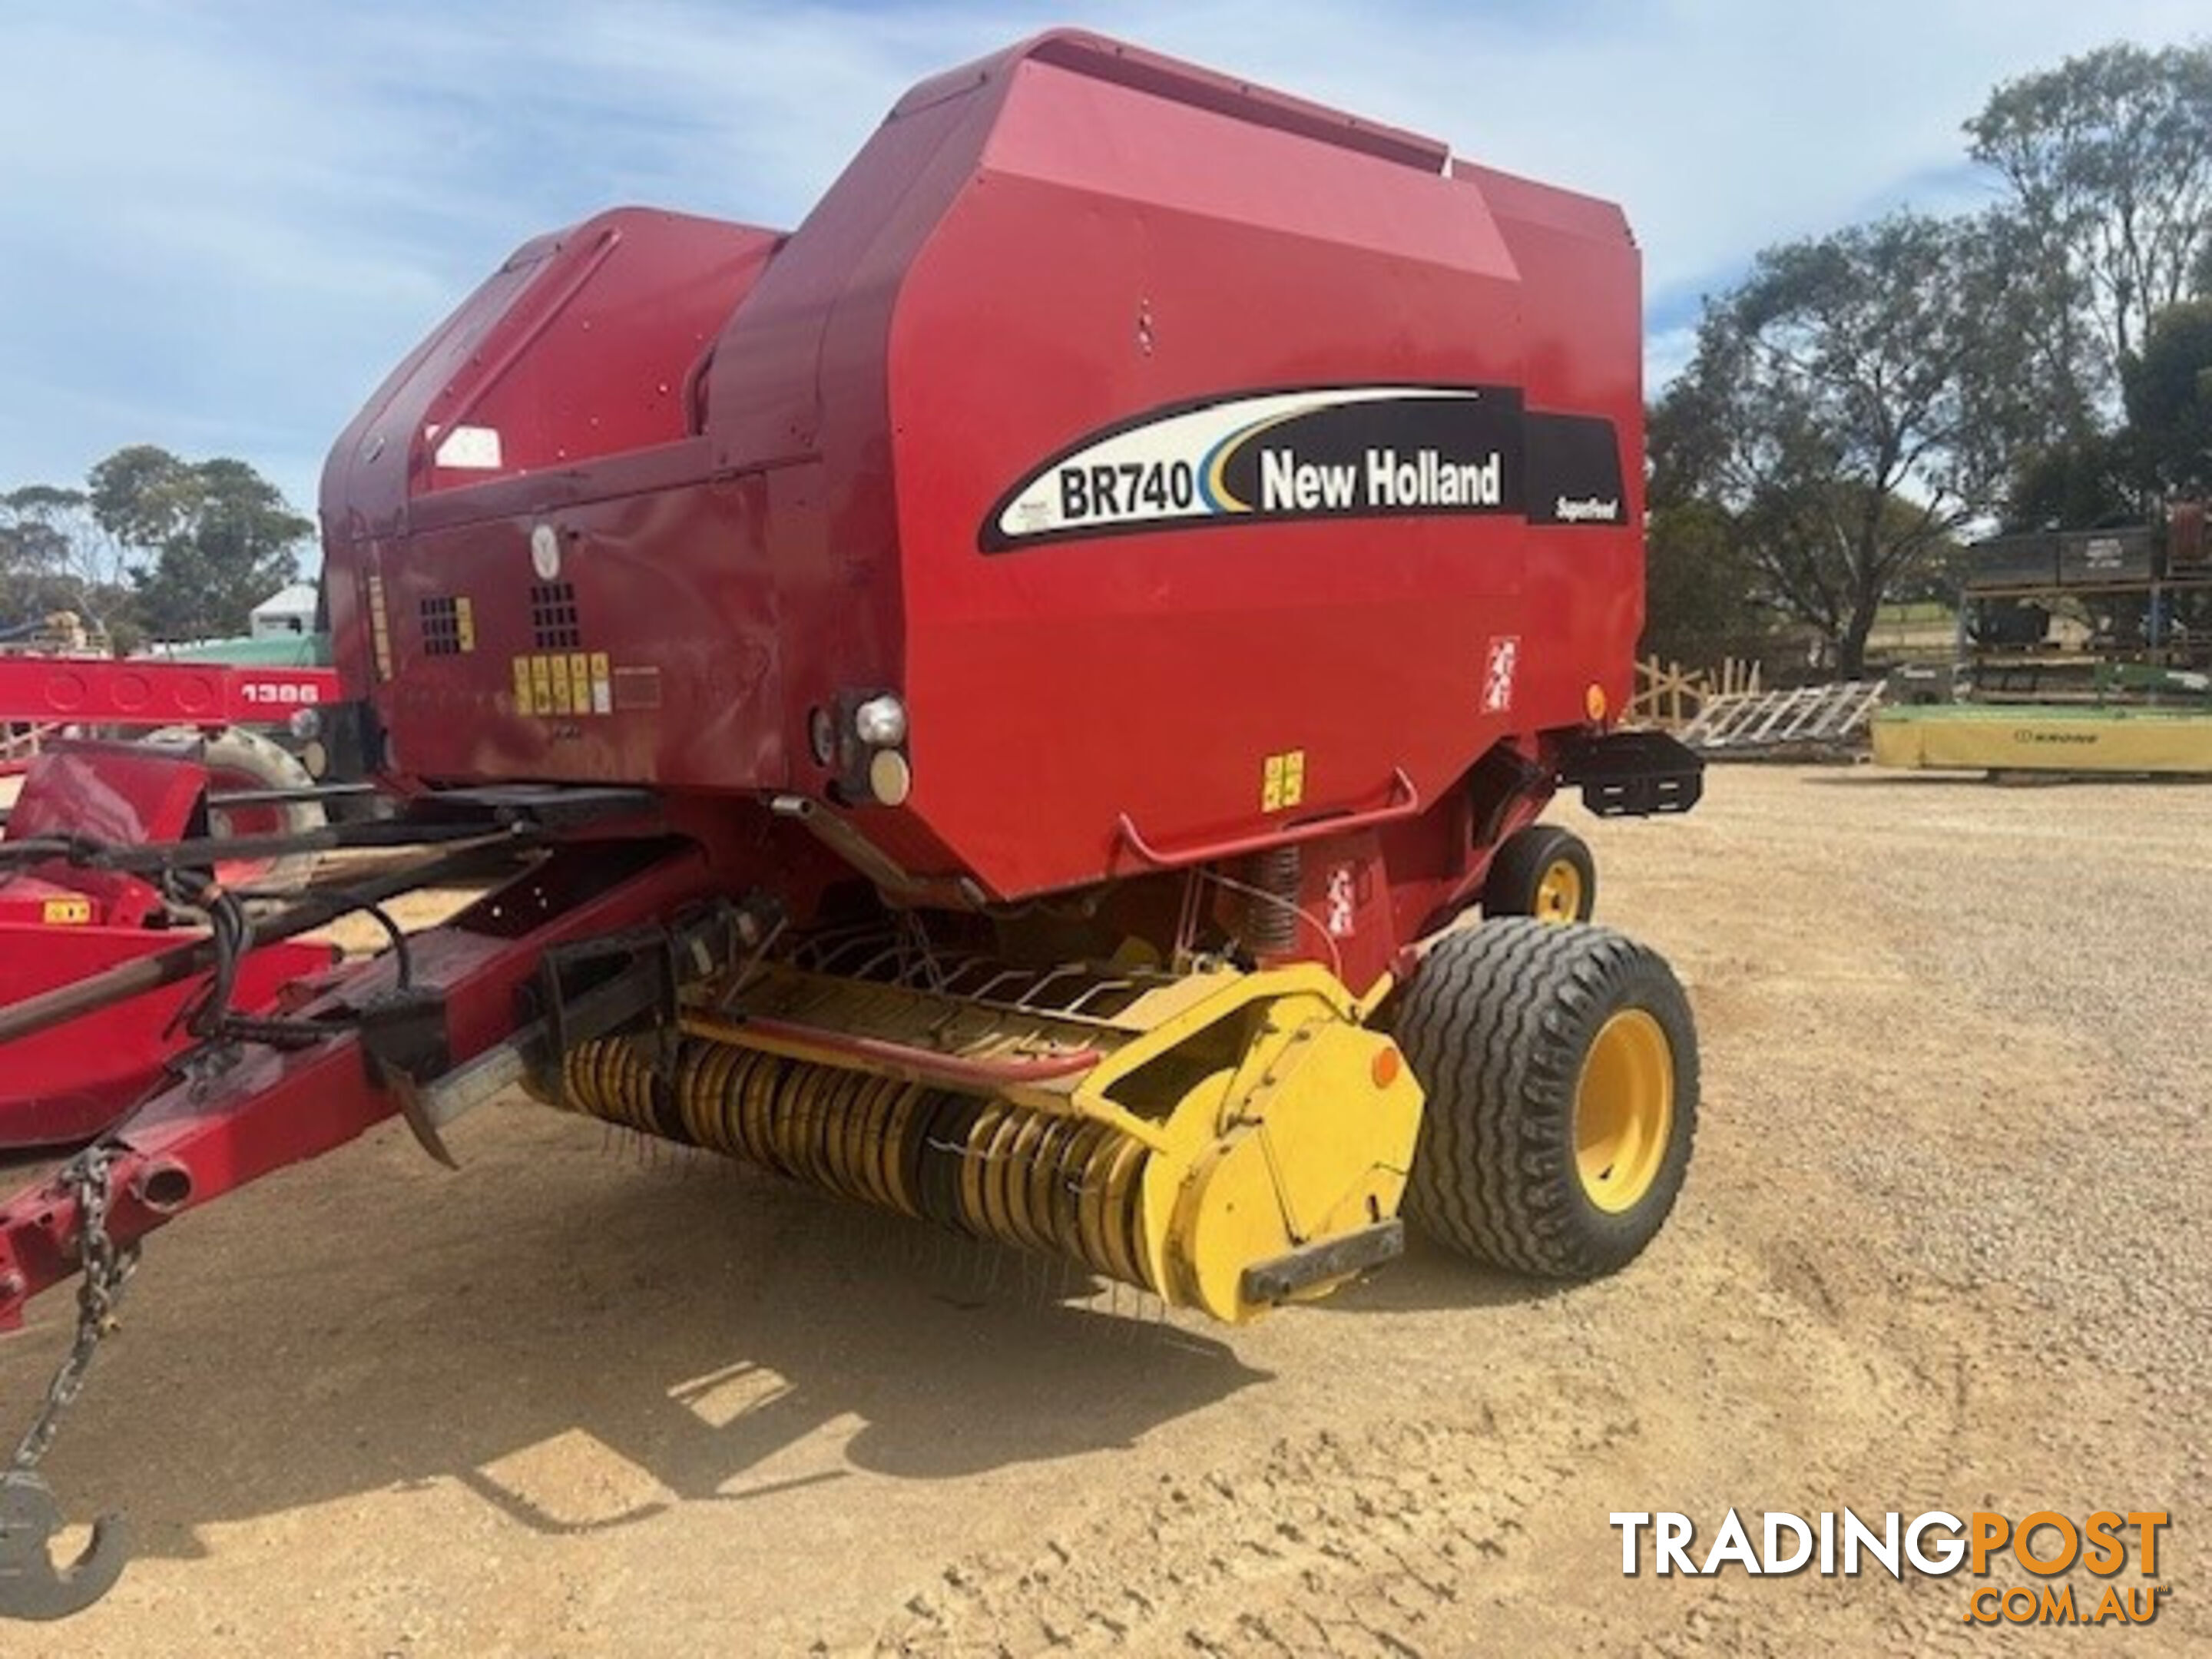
564, 682
1283, 781
66, 912
379, 628
465, 622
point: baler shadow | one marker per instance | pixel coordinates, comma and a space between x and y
2016, 780
1869, 777
1430, 1278
583, 1345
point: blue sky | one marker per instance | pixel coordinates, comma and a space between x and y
222, 223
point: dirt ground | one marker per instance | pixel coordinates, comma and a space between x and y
1940, 1249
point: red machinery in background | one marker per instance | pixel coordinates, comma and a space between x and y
57, 692
984, 704
62, 924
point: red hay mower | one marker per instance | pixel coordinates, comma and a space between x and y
990, 703
197, 769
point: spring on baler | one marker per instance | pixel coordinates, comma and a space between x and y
1058, 1184
1271, 899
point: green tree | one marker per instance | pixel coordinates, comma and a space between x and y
143, 495
85, 569
34, 570
2163, 448
214, 537
1703, 594
2107, 160
2076, 483
1837, 410
2168, 394
1701, 586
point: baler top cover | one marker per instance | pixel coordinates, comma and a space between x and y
1185, 458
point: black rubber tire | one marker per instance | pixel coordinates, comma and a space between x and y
1496, 1024
1517, 871
247, 757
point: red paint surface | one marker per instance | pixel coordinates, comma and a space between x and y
1049, 242
136, 691
117, 794
64, 1086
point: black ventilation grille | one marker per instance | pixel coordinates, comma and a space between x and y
442, 626
553, 621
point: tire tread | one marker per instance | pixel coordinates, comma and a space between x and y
1495, 1023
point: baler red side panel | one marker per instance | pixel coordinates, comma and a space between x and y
582, 344
667, 604
1581, 306
584, 348
1118, 253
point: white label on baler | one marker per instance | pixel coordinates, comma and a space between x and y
469, 449
1500, 663
545, 552
1328, 452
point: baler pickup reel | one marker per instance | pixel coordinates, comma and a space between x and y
1224, 1140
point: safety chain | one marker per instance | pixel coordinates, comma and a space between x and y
106, 1270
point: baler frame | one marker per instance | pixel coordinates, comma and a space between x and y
597, 921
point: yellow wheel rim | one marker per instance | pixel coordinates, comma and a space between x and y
1623, 1110
1559, 892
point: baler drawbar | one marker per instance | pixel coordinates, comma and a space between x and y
1000, 703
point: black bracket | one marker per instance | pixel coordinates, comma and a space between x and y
587, 989
405, 1044
636, 971
1274, 1282
403, 1032
1633, 775
556, 809
583, 990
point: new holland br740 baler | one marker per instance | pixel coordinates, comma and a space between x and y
989, 703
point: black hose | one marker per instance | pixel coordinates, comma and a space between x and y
125, 980
87, 853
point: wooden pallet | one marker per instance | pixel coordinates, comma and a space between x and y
20, 744
1809, 717
1669, 695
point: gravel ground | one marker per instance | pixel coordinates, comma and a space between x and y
1938, 1249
